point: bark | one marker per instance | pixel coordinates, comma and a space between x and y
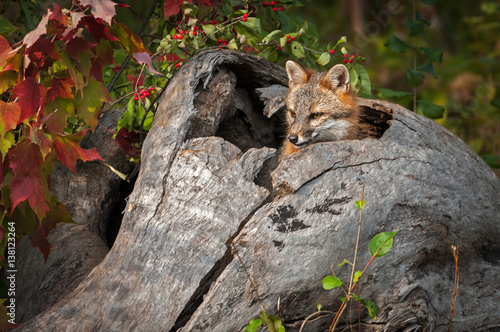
172, 267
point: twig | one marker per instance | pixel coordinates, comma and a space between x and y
317, 313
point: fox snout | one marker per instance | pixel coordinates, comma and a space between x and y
300, 141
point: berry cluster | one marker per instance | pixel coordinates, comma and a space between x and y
245, 16
117, 68
222, 42
347, 58
273, 4
289, 39
143, 93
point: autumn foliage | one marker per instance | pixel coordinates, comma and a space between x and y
50, 81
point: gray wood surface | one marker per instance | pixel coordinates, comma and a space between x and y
172, 269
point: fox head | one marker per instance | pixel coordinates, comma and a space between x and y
320, 106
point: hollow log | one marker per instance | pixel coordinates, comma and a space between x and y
195, 209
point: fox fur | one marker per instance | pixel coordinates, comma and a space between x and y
321, 107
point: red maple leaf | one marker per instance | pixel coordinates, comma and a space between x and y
103, 9
97, 29
9, 116
128, 140
73, 27
144, 58
5, 51
58, 21
40, 30
68, 150
31, 97
57, 115
24, 158
31, 187
172, 7
78, 45
60, 87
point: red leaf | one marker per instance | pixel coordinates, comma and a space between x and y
127, 141
25, 158
31, 187
60, 87
44, 141
58, 21
96, 69
31, 97
77, 46
97, 29
40, 30
172, 7
103, 9
144, 57
9, 116
57, 114
73, 27
5, 51
68, 150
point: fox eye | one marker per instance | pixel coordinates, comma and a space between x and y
293, 114
317, 115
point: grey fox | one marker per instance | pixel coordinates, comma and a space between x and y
320, 106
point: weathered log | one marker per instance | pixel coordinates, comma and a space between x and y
172, 268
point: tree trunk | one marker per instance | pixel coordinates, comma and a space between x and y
172, 267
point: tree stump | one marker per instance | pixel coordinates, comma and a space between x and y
172, 267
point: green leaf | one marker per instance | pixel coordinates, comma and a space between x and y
330, 282
422, 19
6, 28
360, 204
324, 58
275, 35
357, 275
392, 94
415, 77
397, 45
428, 67
414, 27
495, 102
382, 241
297, 49
344, 50
343, 39
430, 110
372, 309
345, 261
433, 54
284, 21
208, 28
319, 306
252, 24
492, 161
342, 298
253, 325
364, 80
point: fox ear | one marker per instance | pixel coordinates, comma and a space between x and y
337, 78
296, 74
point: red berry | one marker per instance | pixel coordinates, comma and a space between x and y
281, 8
214, 22
265, 3
274, 9
118, 66
142, 97
276, 1
293, 38
220, 40
152, 88
352, 56
135, 94
345, 60
181, 36
332, 51
225, 40
350, 61
194, 33
288, 41
272, 3
116, 70
136, 98
148, 93
245, 15
244, 19
280, 48
287, 36
346, 55
224, 44
175, 37
195, 28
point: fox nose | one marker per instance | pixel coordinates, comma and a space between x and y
293, 139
